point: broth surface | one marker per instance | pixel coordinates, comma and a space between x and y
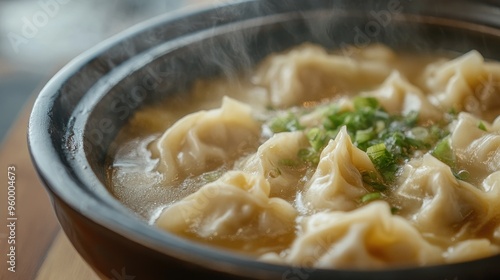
374, 160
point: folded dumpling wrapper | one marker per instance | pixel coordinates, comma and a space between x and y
443, 207
235, 207
269, 162
465, 83
369, 237
337, 183
205, 140
310, 73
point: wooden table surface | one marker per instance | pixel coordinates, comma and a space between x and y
42, 250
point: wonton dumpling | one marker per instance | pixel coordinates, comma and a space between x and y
398, 96
490, 190
205, 140
465, 83
476, 150
337, 182
309, 73
471, 249
271, 159
367, 238
436, 202
235, 207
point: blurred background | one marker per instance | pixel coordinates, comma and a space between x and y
38, 37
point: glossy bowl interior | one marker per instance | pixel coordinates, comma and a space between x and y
81, 110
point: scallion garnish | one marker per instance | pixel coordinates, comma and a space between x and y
462, 175
370, 197
318, 138
211, 176
395, 210
363, 103
444, 153
374, 180
309, 155
482, 126
289, 122
363, 136
389, 140
380, 156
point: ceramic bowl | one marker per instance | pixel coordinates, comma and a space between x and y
80, 111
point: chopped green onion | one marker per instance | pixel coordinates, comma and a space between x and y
444, 153
371, 196
420, 133
211, 176
482, 126
379, 126
309, 155
398, 139
380, 156
411, 118
372, 179
389, 140
318, 138
437, 133
365, 102
286, 123
462, 175
363, 136
335, 119
395, 210
381, 115
453, 112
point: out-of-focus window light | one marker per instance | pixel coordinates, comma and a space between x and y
37, 37
36, 32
